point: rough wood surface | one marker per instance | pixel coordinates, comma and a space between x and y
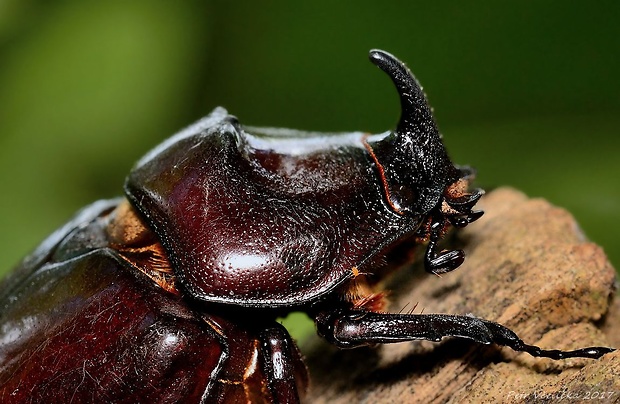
528, 267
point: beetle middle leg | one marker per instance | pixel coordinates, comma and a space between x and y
280, 357
257, 362
353, 328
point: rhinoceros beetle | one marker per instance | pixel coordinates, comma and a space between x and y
171, 294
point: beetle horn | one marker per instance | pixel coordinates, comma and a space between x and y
413, 156
415, 109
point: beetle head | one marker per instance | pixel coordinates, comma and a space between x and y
417, 173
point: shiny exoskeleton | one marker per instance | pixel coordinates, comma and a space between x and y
172, 293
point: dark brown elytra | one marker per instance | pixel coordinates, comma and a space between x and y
172, 293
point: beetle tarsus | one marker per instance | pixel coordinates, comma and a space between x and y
352, 328
506, 337
590, 352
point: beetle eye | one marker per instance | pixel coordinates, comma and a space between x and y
402, 197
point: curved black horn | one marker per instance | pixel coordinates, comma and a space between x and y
415, 108
413, 156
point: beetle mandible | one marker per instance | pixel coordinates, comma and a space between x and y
171, 294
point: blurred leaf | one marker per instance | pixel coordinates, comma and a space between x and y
81, 92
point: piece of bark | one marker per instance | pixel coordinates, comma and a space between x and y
528, 267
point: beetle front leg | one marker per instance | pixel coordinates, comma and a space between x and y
445, 261
353, 328
278, 351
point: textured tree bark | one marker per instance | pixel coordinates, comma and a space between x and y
528, 267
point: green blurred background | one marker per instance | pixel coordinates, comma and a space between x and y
527, 92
